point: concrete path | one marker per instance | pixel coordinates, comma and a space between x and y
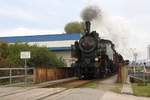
127, 87
110, 80
109, 84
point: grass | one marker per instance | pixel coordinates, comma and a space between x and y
114, 88
141, 90
91, 85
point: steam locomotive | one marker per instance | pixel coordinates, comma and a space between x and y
96, 57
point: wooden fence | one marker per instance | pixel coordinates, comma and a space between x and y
43, 74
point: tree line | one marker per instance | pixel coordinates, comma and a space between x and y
40, 56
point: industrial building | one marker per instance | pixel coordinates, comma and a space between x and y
58, 43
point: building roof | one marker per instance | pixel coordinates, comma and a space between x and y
60, 49
37, 38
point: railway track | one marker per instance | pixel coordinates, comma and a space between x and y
67, 87
55, 91
70, 84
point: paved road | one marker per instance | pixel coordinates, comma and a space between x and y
110, 80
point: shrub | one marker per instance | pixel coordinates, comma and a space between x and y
40, 56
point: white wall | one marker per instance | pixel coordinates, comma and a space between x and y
66, 56
65, 43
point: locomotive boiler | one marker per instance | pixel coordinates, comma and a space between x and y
95, 57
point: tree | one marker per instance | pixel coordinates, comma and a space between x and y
3, 50
74, 27
40, 56
14, 54
3, 53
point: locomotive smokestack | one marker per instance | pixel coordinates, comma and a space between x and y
87, 27
89, 14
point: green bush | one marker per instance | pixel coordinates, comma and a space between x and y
3, 50
43, 57
40, 56
14, 54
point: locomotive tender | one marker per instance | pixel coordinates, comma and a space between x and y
96, 57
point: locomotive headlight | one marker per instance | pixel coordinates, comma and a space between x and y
96, 59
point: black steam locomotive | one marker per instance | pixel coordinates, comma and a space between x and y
96, 57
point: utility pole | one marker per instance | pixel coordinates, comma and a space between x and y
135, 56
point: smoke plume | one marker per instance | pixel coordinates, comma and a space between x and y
114, 28
90, 13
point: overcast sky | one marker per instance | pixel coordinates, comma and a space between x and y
30, 17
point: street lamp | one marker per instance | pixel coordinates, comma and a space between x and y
135, 56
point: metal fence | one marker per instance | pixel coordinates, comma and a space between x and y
139, 73
27, 72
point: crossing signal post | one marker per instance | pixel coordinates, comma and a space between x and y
25, 55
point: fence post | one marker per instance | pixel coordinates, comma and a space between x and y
25, 71
10, 76
34, 75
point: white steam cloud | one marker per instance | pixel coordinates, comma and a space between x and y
114, 28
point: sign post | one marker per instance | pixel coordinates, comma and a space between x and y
25, 55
